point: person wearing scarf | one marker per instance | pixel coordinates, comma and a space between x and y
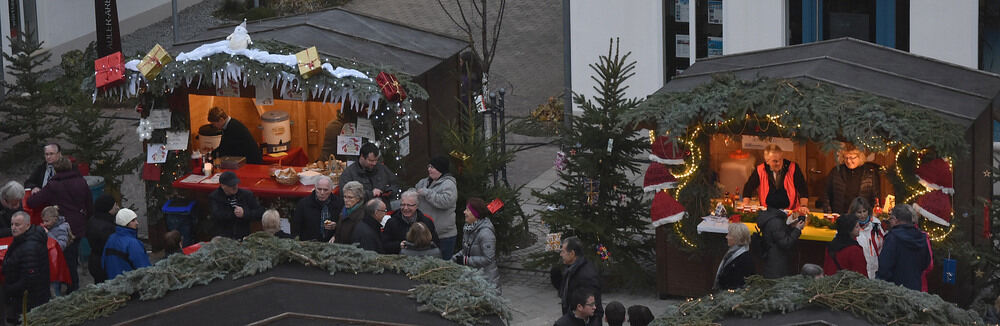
872, 234
479, 241
354, 195
737, 264
844, 252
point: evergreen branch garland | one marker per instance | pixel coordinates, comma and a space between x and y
458, 293
877, 301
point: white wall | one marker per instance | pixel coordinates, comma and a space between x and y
639, 25
750, 25
946, 30
65, 25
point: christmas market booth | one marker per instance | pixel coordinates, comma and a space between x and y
310, 89
922, 126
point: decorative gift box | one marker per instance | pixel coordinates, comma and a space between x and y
110, 70
308, 61
390, 87
153, 62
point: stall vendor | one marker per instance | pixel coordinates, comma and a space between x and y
772, 178
853, 178
236, 138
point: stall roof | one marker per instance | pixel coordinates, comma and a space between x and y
954, 91
348, 35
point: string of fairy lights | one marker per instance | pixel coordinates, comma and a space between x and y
692, 162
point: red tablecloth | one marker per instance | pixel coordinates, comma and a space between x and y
296, 157
58, 270
255, 178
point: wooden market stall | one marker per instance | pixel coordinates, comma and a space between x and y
898, 106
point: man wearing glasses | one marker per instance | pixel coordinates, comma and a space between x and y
583, 312
906, 252
853, 178
394, 233
368, 233
379, 181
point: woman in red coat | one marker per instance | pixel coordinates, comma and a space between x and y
844, 252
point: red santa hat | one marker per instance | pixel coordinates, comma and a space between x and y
936, 175
666, 151
935, 206
665, 209
658, 177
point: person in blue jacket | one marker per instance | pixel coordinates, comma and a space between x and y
123, 251
905, 253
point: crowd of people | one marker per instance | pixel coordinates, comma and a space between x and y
902, 255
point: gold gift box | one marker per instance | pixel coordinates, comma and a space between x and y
153, 62
308, 61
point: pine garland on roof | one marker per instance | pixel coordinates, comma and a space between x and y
458, 293
880, 302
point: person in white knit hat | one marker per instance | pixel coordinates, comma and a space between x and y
123, 251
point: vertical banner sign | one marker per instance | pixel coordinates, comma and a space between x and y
14, 17
108, 35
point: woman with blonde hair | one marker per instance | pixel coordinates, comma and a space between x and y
271, 222
737, 264
419, 242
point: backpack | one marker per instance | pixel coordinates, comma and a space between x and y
758, 244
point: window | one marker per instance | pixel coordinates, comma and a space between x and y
886, 22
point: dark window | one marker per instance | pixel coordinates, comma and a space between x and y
815, 20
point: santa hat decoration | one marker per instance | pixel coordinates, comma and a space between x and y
935, 206
665, 209
936, 175
666, 151
658, 177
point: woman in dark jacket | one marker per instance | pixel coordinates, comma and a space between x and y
844, 252
779, 236
354, 211
737, 264
99, 228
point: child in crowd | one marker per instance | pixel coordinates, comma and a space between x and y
614, 313
639, 315
58, 230
271, 223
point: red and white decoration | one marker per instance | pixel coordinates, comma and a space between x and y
658, 177
935, 205
665, 209
665, 151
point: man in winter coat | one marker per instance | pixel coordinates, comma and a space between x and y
905, 253
781, 233
233, 208
579, 275
394, 232
70, 192
26, 264
123, 251
368, 233
45, 171
99, 228
438, 197
379, 181
236, 138
315, 214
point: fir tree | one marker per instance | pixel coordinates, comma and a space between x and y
24, 111
596, 201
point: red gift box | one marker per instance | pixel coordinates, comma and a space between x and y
110, 70
390, 87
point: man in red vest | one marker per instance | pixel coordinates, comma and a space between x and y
778, 177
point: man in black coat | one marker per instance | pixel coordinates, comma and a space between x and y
368, 233
233, 208
236, 138
316, 215
780, 237
394, 232
99, 228
579, 275
26, 264
905, 254
46, 170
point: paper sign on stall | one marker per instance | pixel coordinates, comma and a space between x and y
406, 127
230, 90
285, 225
348, 129
264, 96
348, 145
156, 153
754, 142
159, 119
365, 129
404, 146
177, 140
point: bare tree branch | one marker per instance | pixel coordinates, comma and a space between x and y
453, 20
